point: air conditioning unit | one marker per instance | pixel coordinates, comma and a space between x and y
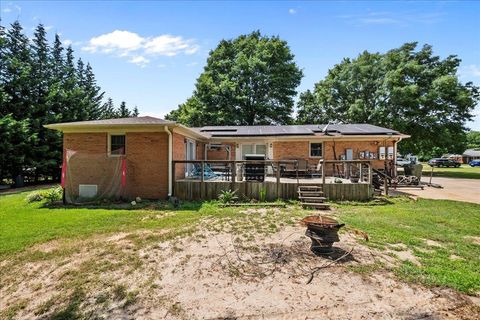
214, 146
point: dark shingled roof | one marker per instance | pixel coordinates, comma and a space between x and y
296, 130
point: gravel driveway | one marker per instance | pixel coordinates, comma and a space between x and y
453, 189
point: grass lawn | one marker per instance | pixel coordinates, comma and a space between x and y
465, 171
23, 224
450, 258
444, 236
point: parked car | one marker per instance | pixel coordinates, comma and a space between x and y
406, 160
474, 163
402, 161
442, 162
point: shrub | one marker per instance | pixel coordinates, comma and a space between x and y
53, 195
227, 196
34, 197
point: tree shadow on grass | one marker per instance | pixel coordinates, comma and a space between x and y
144, 205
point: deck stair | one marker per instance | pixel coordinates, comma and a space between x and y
312, 197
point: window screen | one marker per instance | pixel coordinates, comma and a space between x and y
117, 144
316, 149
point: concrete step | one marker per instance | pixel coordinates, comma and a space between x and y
316, 205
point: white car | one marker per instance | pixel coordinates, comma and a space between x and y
403, 162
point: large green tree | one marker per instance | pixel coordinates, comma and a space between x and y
248, 80
41, 84
407, 89
473, 139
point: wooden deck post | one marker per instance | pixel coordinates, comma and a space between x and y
202, 180
278, 179
323, 172
385, 185
233, 168
370, 173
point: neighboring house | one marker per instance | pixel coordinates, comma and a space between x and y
471, 154
143, 148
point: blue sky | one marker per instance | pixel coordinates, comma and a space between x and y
150, 53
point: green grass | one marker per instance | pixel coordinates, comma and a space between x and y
400, 220
450, 223
24, 224
465, 172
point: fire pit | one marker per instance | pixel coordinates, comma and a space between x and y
323, 232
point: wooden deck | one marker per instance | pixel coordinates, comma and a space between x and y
208, 187
196, 190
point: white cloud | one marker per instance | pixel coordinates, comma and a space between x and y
131, 45
192, 64
10, 8
139, 60
404, 18
168, 45
469, 71
47, 28
67, 42
117, 40
292, 11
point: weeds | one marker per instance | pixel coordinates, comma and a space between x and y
227, 196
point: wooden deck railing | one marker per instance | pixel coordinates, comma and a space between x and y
361, 170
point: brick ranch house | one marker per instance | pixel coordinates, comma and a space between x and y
148, 147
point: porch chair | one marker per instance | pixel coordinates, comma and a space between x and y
196, 172
302, 167
316, 170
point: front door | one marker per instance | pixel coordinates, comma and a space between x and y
190, 155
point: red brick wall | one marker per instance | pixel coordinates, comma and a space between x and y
146, 159
179, 153
147, 164
88, 163
301, 150
357, 147
284, 150
222, 154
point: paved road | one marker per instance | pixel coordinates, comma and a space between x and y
453, 189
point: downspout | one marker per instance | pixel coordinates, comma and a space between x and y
170, 159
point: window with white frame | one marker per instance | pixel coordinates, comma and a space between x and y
117, 144
316, 149
253, 148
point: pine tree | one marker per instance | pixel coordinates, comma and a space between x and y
123, 111
94, 95
42, 84
15, 76
135, 112
109, 110
45, 153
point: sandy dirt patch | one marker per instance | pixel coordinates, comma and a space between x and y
467, 190
219, 276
